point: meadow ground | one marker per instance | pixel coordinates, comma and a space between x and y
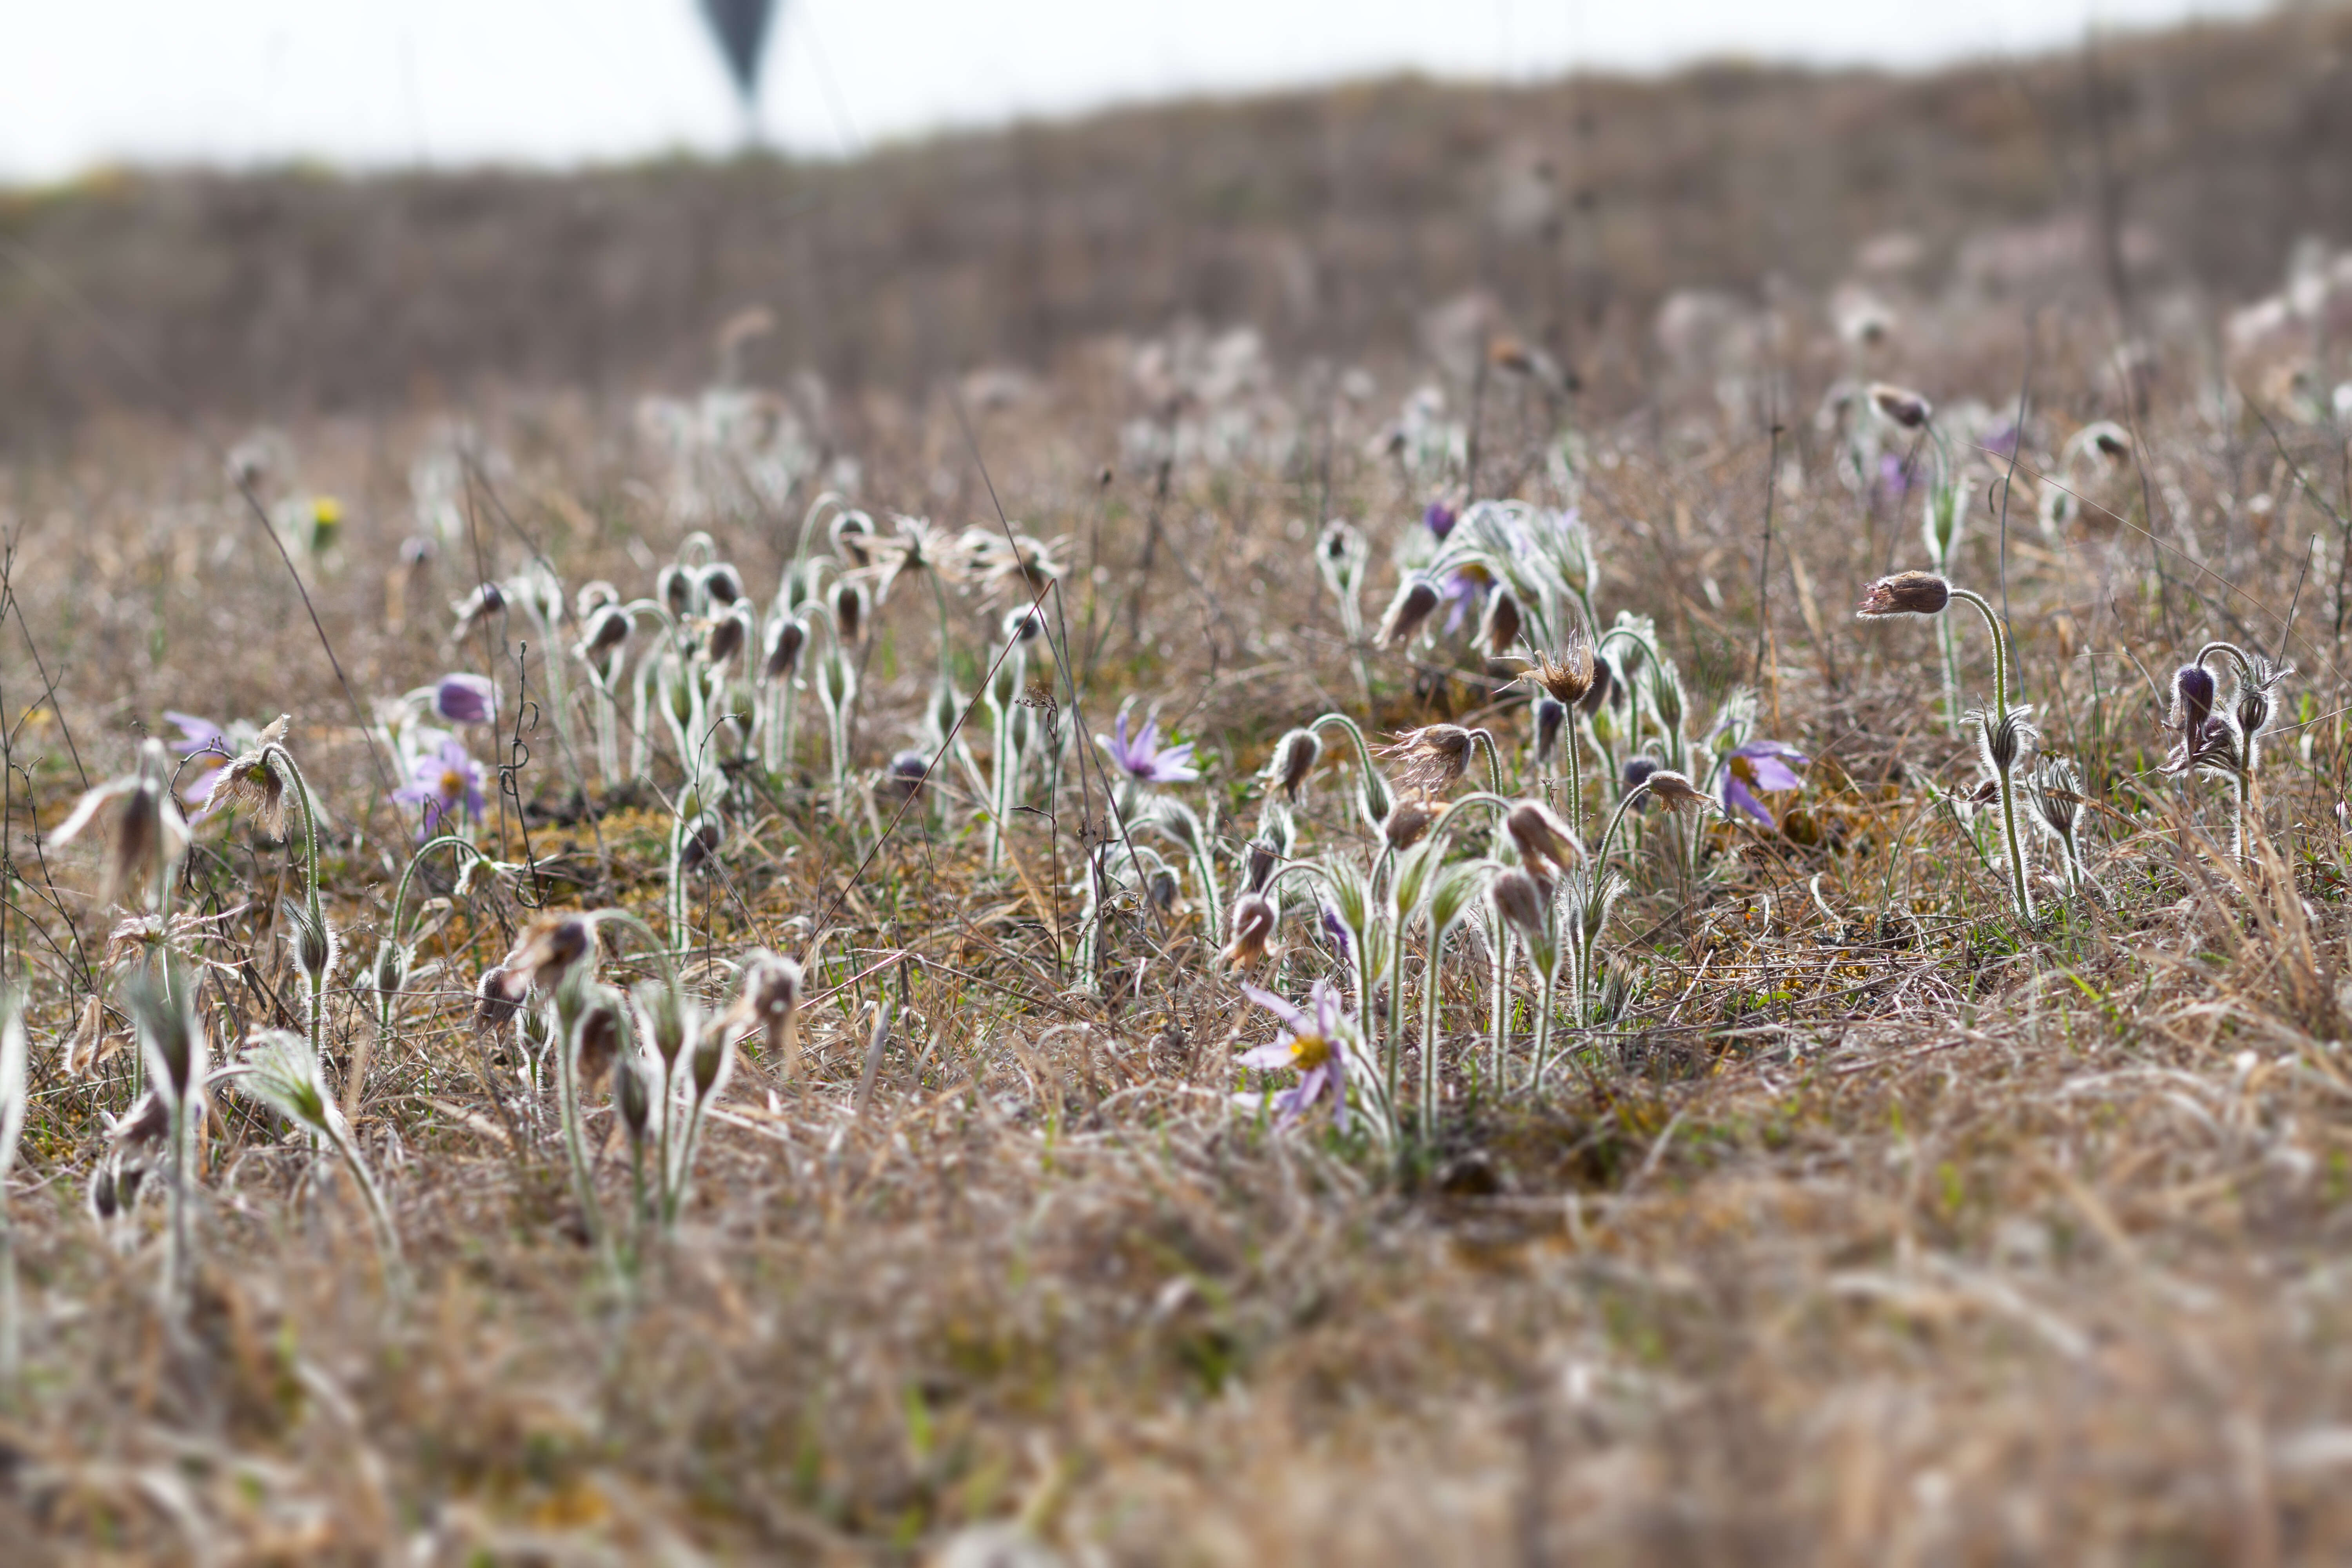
1858, 1217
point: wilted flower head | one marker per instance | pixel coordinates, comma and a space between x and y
999, 560
1674, 790
252, 780
1905, 594
1429, 759
1316, 1047
1902, 405
1416, 600
1760, 766
1568, 676
1144, 758
143, 835
444, 782
1252, 926
1543, 839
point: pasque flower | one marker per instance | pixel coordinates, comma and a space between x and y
1145, 758
1316, 1047
1760, 766
445, 781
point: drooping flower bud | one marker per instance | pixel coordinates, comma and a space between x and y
1905, 594
1498, 630
1295, 756
1542, 838
1902, 405
2193, 697
784, 644
1253, 925
1408, 822
1550, 715
1416, 599
1521, 900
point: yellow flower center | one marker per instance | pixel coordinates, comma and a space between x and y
1308, 1052
453, 784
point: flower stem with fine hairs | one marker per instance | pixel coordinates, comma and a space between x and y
278, 756
2012, 840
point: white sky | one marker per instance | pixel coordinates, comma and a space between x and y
84, 82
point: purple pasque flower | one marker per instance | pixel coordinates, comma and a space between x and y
201, 737
1440, 519
1464, 591
465, 699
1335, 927
1895, 479
1144, 758
1317, 1045
442, 782
1760, 766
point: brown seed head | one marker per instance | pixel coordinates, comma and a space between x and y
1407, 824
1429, 759
1675, 791
1521, 900
1568, 676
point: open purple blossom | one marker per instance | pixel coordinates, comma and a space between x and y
1760, 766
465, 699
201, 737
1316, 1047
442, 781
1144, 758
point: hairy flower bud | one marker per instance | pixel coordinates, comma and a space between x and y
1905, 594
1253, 925
1550, 715
2192, 697
784, 644
1416, 599
1521, 900
1901, 406
1407, 821
1498, 630
1542, 838
1295, 757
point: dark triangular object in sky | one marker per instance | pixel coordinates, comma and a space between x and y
741, 30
